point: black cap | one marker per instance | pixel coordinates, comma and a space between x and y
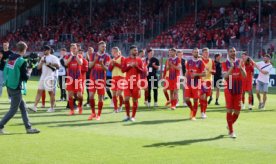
46, 47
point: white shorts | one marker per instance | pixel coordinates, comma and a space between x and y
261, 86
47, 85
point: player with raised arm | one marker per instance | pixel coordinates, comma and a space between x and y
248, 81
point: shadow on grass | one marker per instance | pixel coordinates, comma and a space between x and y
85, 124
49, 122
13, 134
154, 122
184, 142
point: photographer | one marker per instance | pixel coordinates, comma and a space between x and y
49, 65
4, 55
15, 72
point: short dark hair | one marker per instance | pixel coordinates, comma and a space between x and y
217, 55
46, 47
21, 46
140, 51
52, 51
149, 50
132, 47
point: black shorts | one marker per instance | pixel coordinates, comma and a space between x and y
108, 78
216, 79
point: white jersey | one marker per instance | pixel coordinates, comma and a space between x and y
265, 67
46, 71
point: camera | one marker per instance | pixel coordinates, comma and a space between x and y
32, 59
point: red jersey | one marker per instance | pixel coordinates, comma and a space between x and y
97, 72
165, 72
235, 87
133, 71
73, 67
84, 67
249, 68
194, 66
174, 73
145, 64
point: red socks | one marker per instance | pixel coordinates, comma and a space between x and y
189, 104
127, 105
195, 108
100, 107
146, 95
121, 99
229, 122
166, 95
80, 102
92, 105
243, 97
174, 102
71, 103
43, 97
134, 109
203, 105
115, 102
234, 118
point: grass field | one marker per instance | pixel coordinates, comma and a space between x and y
158, 136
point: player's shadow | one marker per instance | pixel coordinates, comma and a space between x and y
183, 142
155, 122
257, 111
50, 122
12, 134
85, 124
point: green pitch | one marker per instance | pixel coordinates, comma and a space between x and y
159, 135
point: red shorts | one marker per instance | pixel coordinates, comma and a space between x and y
133, 92
172, 85
206, 88
83, 76
75, 87
143, 84
247, 85
165, 83
97, 86
192, 92
233, 101
117, 83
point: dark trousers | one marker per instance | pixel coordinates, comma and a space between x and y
153, 85
16, 102
61, 82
